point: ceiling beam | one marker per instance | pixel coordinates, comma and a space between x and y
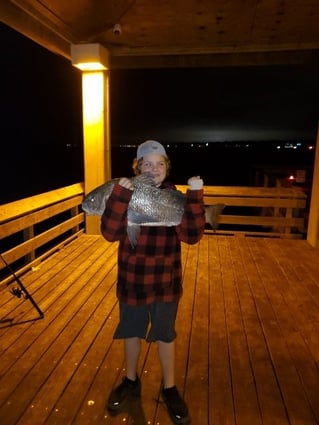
33, 28
37, 27
303, 57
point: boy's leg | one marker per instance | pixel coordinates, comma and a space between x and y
132, 348
166, 352
132, 328
130, 385
133, 321
176, 406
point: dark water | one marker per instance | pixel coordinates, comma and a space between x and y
226, 164
26, 172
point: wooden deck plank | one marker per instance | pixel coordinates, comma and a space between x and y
80, 360
220, 381
31, 283
57, 301
41, 288
278, 337
53, 335
243, 386
248, 281
299, 321
247, 348
197, 318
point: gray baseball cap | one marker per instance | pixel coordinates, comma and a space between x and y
150, 147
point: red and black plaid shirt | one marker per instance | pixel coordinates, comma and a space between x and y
152, 270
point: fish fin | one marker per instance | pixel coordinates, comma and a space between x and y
133, 233
212, 213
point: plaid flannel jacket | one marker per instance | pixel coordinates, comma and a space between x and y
152, 270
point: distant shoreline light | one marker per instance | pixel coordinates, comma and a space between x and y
229, 144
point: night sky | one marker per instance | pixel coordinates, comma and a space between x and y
209, 105
41, 99
40, 93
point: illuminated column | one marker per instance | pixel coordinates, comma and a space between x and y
93, 61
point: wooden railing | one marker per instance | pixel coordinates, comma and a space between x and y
33, 228
258, 211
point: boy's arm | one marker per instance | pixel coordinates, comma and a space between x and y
114, 217
192, 226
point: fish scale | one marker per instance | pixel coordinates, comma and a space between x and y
152, 206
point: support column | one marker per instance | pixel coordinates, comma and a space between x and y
313, 223
96, 136
93, 60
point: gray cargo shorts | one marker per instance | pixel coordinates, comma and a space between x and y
153, 322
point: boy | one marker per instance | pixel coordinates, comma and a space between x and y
149, 277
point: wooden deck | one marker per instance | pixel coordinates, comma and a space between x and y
247, 346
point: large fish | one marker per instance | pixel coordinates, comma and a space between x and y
149, 205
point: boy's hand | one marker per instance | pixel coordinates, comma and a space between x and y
195, 183
125, 182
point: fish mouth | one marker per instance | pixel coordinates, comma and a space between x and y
86, 210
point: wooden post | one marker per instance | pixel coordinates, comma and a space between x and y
313, 224
96, 134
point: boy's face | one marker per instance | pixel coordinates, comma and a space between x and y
156, 165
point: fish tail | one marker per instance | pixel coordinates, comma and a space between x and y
212, 213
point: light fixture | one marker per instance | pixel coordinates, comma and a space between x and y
90, 57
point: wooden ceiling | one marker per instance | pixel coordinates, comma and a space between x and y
174, 33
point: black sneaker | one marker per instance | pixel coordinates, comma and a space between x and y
176, 406
122, 392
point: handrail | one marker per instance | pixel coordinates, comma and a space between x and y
258, 211
33, 228
21, 207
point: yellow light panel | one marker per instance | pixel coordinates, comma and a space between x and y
93, 97
90, 66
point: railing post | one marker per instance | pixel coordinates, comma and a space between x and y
313, 223
28, 234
